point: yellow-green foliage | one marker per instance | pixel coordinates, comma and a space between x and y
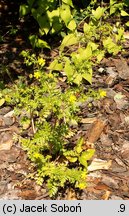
41, 100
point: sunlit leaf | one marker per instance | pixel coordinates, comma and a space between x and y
2, 101
69, 70
85, 156
124, 13
98, 13
65, 13
71, 25
71, 159
68, 40
79, 144
88, 75
69, 2
78, 79
127, 23
55, 65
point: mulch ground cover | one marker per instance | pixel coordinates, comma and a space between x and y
105, 123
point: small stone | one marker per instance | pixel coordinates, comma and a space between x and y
101, 70
4, 110
8, 121
6, 145
6, 141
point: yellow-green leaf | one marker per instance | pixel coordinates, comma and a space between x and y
2, 101
69, 70
98, 13
71, 159
127, 23
88, 75
79, 144
55, 65
69, 2
78, 79
85, 156
24, 10
71, 25
68, 40
124, 13
65, 13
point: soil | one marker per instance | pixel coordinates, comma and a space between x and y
105, 123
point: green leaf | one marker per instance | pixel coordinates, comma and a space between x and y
37, 42
79, 144
85, 156
88, 75
42, 44
54, 20
24, 10
55, 65
44, 23
127, 23
2, 101
100, 56
53, 14
98, 13
68, 40
111, 46
69, 70
112, 2
93, 46
30, 2
71, 159
72, 25
78, 79
68, 2
124, 13
86, 28
85, 54
65, 13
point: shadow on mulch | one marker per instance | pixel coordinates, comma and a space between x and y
13, 39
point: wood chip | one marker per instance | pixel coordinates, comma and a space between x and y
95, 131
106, 195
122, 68
88, 120
6, 145
98, 164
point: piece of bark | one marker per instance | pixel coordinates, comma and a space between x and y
122, 68
98, 164
88, 120
95, 131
